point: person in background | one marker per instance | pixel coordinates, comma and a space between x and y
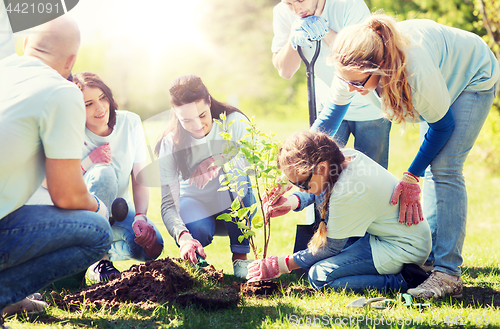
443, 76
42, 118
188, 152
297, 23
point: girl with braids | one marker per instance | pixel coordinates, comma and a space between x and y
359, 243
444, 77
189, 175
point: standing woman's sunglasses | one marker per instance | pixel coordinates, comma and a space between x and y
192, 85
305, 184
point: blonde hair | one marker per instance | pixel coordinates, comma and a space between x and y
301, 153
377, 46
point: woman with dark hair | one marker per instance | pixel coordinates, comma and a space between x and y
114, 153
191, 201
359, 243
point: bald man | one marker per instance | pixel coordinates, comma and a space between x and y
42, 124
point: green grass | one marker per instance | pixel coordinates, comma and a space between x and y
325, 309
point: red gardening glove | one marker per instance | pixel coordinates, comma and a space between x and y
102, 154
144, 232
267, 268
204, 173
281, 207
408, 193
279, 190
189, 247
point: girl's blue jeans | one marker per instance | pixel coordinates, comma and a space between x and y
40, 244
444, 192
352, 269
101, 181
200, 220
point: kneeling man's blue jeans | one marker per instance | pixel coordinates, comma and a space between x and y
40, 244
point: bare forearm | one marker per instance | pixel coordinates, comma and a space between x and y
141, 197
286, 61
329, 38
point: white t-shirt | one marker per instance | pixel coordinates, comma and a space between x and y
7, 46
360, 203
442, 63
203, 148
338, 13
42, 115
128, 146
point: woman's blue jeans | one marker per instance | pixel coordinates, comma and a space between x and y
353, 269
201, 221
444, 191
370, 137
101, 181
40, 244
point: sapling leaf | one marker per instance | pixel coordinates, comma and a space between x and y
236, 204
225, 217
224, 188
243, 212
240, 238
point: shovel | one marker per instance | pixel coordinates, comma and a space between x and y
305, 232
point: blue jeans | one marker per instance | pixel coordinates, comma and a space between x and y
201, 221
444, 191
353, 269
370, 137
40, 244
101, 181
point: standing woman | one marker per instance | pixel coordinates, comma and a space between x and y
114, 153
191, 201
422, 71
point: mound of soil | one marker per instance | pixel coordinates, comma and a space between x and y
268, 288
150, 284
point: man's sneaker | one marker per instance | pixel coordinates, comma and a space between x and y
28, 306
414, 275
103, 270
438, 285
240, 268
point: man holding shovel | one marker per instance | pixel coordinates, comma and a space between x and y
296, 23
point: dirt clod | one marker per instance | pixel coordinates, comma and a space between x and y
147, 285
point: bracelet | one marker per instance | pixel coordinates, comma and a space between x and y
412, 175
84, 171
98, 203
286, 261
140, 213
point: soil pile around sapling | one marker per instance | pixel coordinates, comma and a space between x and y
151, 284
268, 288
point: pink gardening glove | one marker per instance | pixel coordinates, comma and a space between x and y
281, 207
144, 232
408, 193
189, 247
204, 173
279, 190
102, 154
267, 268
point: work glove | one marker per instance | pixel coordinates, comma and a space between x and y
101, 208
267, 268
189, 247
279, 189
204, 173
281, 207
145, 232
102, 154
316, 27
300, 38
408, 193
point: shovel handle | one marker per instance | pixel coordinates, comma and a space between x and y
311, 95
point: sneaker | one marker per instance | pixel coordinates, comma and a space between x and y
438, 285
240, 268
414, 275
28, 306
103, 270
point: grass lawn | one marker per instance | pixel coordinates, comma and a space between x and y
325, 309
